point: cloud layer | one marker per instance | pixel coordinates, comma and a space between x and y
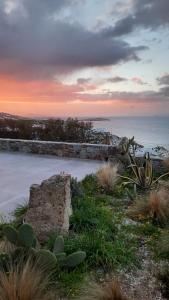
34, 44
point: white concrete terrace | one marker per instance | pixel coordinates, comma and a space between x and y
19, 171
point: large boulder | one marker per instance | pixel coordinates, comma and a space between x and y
50, 206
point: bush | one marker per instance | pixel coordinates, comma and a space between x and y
24, 282
107, 176
110, 291
155, 207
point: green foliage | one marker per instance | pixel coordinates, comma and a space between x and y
20, 212
143, 173
11, 234
88, 216
26, 235
101, 251
75, 259
46, 259
59, 245
22, 238
70, 130
90, 185
76, 188
70, 261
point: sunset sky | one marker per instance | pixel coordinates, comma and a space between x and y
84, 57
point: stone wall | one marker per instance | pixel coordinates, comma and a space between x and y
71, 150
61, 149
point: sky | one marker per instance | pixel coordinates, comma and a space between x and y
84, 57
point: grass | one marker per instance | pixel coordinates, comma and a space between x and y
110, 291
24, 282
20, 212
153, 208
107, 176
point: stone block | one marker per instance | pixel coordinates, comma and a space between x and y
50, 206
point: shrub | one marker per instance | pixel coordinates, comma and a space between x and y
24, 282
155, 207
110, 291
19, 212
107, 176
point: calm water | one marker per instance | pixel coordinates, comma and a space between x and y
149, 131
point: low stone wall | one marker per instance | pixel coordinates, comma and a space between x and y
72, 150
61, 149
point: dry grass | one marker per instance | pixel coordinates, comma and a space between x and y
155, 207
166, 161
107, 176
24, 282
111, 291
6, 246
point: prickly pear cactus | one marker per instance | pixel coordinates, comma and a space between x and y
46, 259
75, 259
61, 258
59, 245
11, 234
26, 235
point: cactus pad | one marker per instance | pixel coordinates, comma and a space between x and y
75, 259
59, 245
26, 235
46, 259
11, 234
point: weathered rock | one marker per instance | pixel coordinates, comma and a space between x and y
50, 206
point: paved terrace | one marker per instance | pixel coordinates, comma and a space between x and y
19, 171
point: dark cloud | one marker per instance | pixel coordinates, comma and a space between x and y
164, 80
83, 80
34, 44
117, 79
146, 13
161, 96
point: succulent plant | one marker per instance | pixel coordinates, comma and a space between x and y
75, 259
11, 234
59, 245
25, 242
24, 237
143, 174
69, 261
46, 259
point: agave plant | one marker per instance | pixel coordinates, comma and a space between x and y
143, 175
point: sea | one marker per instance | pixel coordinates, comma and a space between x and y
148, 131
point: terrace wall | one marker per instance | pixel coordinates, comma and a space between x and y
71, 150
61, 149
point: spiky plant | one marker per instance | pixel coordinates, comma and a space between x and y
107, 176
20, 211
143, 173
155, 207
24, 282
110, 291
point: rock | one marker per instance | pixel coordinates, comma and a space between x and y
50, 206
